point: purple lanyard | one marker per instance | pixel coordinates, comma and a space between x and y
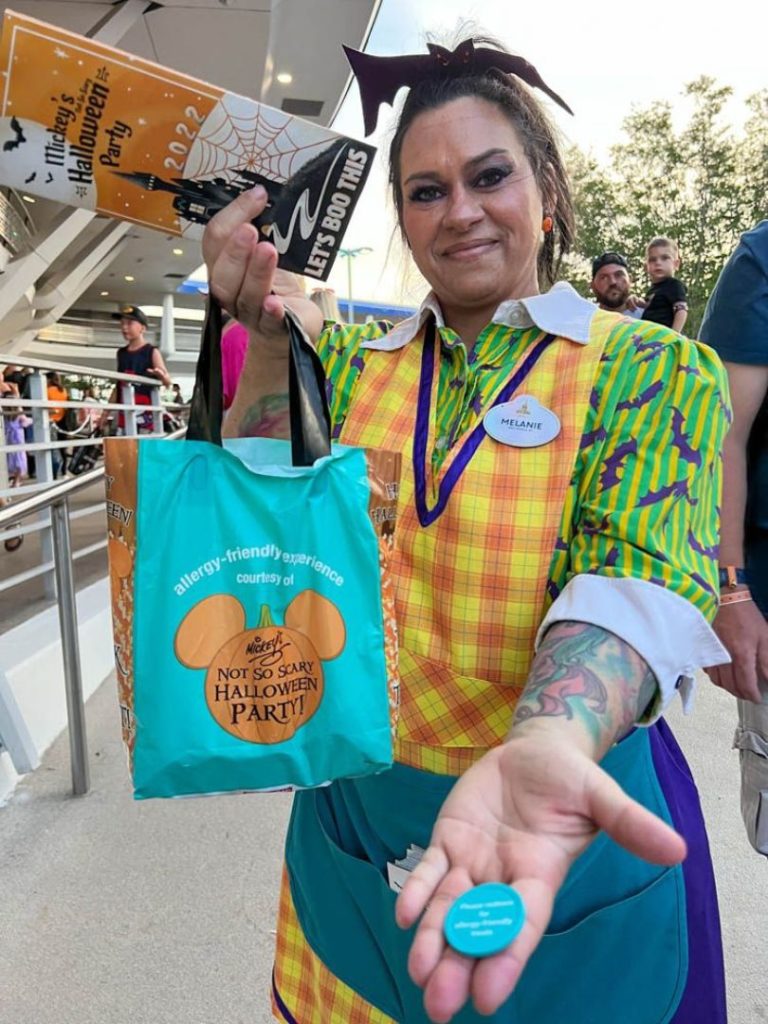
427, 516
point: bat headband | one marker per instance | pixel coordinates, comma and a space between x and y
379, 78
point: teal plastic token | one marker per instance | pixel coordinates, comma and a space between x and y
485, 920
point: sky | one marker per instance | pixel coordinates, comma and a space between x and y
602, 58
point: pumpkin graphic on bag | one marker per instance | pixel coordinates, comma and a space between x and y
265, 683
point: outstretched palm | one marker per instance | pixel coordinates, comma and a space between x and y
521, 815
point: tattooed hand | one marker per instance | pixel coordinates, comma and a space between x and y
244, 278
528, 808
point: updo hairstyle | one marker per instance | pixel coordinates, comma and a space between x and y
537, 135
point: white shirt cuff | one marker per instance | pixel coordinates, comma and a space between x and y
666, 630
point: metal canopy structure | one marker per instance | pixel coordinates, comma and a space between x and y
68, 258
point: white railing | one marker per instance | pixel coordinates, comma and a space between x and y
44, 442
13, 733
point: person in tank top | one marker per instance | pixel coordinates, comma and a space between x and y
137, 357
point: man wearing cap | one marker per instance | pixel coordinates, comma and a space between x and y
611, 285
138, 356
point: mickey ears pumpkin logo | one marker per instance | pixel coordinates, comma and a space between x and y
261, 684
120, 560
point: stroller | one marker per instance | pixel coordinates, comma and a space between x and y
86, 456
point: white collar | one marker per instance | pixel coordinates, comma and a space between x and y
560, 311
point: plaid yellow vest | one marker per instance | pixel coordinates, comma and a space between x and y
471, 587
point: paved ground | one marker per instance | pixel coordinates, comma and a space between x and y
115, 912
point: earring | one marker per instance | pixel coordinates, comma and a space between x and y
547, 224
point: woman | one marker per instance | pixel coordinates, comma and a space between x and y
560, 482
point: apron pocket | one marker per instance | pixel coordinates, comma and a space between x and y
347, 910
626, 961
617, 945
640, 977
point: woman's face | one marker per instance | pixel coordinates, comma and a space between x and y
472, 210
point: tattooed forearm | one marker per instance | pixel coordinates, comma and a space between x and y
585, 674
268, 417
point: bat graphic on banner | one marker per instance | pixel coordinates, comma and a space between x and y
19, 136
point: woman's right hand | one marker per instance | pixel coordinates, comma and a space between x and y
243, 274
520, 815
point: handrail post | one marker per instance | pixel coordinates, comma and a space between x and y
128, 397
41, 433
157, 410
78, 744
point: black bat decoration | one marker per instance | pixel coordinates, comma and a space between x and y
20, 136
380, 78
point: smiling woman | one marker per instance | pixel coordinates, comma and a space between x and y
472, 214
554, 575
519, 184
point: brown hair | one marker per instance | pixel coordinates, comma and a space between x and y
537, 135
662, 242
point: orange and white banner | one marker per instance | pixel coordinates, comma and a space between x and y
91, 126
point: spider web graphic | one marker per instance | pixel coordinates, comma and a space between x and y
242, 135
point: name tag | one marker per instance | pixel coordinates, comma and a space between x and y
523, 423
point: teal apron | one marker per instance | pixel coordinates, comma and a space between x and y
616, 948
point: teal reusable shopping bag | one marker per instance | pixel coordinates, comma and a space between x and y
253, 614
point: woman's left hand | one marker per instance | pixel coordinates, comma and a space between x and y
521, 815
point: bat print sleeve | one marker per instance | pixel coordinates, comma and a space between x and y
344, 361
643, 538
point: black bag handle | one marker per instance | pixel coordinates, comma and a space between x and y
206, 404
309, 415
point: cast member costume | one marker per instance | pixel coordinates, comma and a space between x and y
613, 522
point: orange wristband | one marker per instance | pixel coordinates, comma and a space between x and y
740, 595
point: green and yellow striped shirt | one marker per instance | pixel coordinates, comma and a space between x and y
647, 474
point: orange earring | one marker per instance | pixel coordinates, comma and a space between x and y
547, 224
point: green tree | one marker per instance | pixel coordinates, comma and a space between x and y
753, 154
701, 184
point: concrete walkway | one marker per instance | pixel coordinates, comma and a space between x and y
161, 912
121, 912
